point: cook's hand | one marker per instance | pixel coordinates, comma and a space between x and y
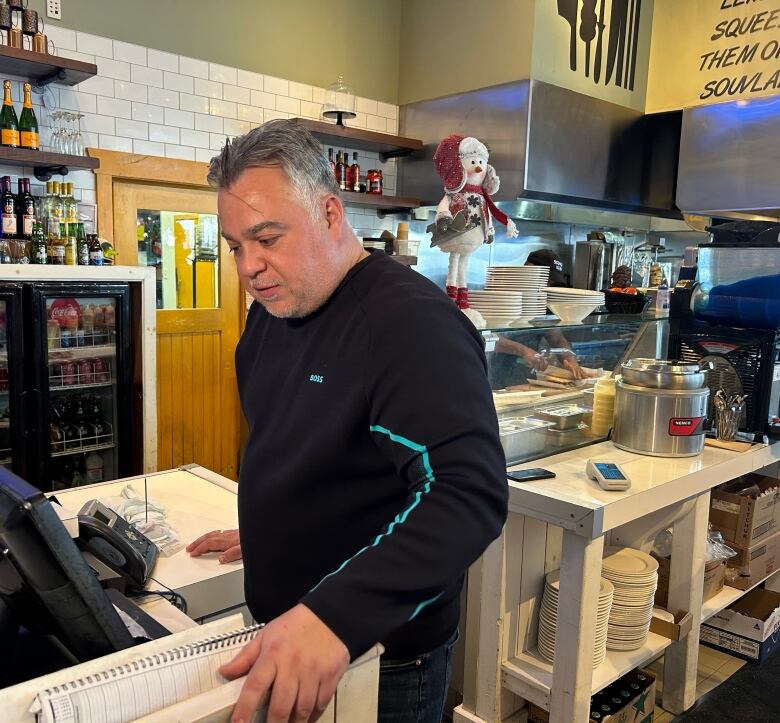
224, 541
534, 360
298, 659
570, 362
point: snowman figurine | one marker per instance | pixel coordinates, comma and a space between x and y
464, 217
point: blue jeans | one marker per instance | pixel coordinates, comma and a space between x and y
414, 690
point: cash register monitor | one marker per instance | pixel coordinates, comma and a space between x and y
45, 584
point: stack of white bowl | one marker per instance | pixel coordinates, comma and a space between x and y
573, 305
548, 618
634, 575
530, 281
499, 308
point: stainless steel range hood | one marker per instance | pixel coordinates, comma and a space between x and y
551, 144
730, 159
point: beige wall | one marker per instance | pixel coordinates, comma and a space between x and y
308, 41
449, 46
683, 32
551, 52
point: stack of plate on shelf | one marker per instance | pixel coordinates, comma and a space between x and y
548, 618
528, 280
573, 305
498, 307
634, 575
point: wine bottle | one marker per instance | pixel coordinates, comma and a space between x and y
354, 170
7, 209
25, 210
9, 125
28, 123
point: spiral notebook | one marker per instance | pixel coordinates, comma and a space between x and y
143, 686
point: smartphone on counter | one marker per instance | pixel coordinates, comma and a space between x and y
528, 475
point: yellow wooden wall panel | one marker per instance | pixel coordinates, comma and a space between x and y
164, 402
189, 390
198, 398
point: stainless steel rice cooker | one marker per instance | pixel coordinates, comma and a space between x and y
663, 421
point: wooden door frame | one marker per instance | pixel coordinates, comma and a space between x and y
116, 165
168, 172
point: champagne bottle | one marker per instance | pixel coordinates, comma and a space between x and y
28, 123
9, 125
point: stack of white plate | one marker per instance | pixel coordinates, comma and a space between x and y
573, 305
634, 575
498, 307
548, 618
528, 280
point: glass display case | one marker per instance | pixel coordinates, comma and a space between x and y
544, 373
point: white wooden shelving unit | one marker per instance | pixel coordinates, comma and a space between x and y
562, 523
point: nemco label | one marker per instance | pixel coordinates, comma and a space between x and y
685, 426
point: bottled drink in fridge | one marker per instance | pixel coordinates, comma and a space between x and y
28, 123
93, 464
9, 124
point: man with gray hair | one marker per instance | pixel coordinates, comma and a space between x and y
373, 475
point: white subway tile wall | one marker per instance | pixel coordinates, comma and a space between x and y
151, 102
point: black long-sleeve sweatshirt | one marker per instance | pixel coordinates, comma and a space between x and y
373, 474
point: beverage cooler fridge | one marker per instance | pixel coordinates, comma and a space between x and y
67, 413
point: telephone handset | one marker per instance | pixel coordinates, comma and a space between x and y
116, 543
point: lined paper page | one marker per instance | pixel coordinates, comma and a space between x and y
145, 686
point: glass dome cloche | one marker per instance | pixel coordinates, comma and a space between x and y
339, 101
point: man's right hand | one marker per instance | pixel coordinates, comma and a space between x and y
224, 541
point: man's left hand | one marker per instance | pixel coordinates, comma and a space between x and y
570, 362
296, 659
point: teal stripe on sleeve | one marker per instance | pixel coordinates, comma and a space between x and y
402, 516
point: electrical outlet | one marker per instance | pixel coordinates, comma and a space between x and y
54, 9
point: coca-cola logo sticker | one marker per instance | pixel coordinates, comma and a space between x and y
65, 311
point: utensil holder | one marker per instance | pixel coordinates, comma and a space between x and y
727, 422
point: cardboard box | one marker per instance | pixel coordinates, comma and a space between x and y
753, 564
714, 578
611, 706
744, 520
749, 629
683, 622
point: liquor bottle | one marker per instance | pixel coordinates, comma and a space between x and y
331, 161
82, 247
55, 243
7, 209
354, 170
38, 250
71, 248
28, 123
95, 250
341, 176
55, 208
25, 210
9, 125
70, 207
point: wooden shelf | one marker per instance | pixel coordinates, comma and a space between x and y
385, 144
530, 675
725, 597
45, 164
383, 204
42, 68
